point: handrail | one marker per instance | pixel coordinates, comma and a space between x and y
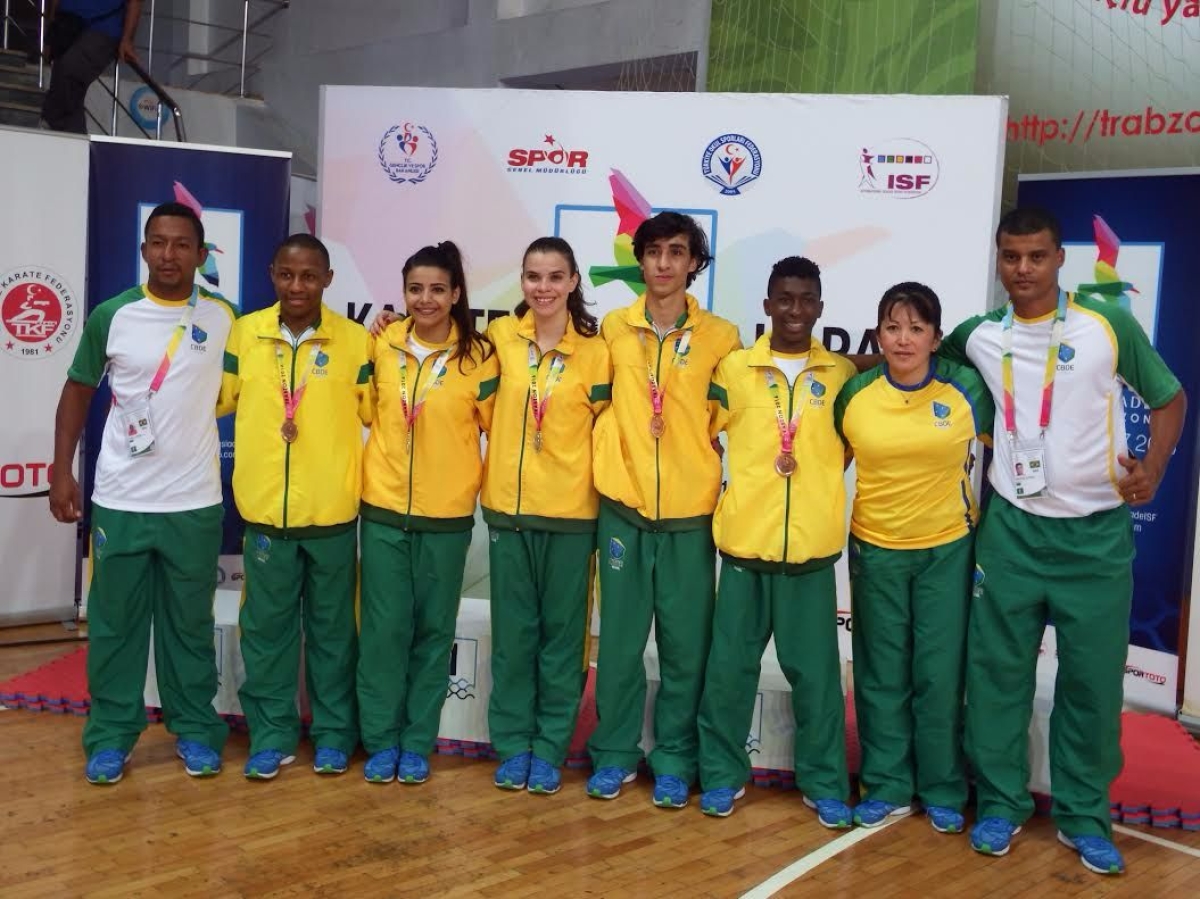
163, 97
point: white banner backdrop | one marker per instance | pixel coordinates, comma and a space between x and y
876, 190
43, 253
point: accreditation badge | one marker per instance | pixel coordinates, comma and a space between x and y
139, 430
1029, 470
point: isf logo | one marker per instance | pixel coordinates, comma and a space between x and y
900, 167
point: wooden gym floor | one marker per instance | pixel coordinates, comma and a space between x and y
161, 833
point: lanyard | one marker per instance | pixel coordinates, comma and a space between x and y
1006, 368
291, 398
185, 322
538, 403
412, 409
658, 391
787, 429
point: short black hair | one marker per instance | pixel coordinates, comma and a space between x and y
1030, 220
794, 267
921, 299
669, 224
176, 210
302, 241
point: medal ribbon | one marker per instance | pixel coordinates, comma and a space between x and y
787, 429
538, 403
413, 409
658, 392
291, 398
176, 338
1006, 367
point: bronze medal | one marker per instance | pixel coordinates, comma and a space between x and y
658, 426
289, 431
785, 465
537, 441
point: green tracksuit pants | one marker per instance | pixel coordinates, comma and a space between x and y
801, 611
541, 591
411, 587
158, 567
300, 585
910, 653
666, 577
1076, 573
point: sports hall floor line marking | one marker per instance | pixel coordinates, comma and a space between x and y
1157, 841
806, 863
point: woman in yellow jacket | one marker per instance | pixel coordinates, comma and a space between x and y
541, 509
435, 377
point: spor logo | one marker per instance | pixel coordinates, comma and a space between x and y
900, 167
37, 313
408, 153
731, 162
552, 158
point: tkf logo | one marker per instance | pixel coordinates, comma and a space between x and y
25, 478
408, 153
554, 159
616, 554
37, 313
464, 661
901, 167
731, 161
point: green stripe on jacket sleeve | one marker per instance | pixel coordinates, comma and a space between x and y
600, 393
488, 387
718, 393
231, 363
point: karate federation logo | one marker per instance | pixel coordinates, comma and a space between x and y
616, 554
408, 153
731, 162
37, 313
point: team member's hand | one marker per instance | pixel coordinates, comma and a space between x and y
125, 51
382, 320
720, 450
1141, 481
66, 499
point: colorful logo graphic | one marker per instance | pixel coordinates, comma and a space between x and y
901, 167
37, 313
221, 271
731, 162
632, 210
940, 410
408, 153
616, 554
551, 159
1108, 286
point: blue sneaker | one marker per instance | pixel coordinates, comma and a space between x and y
106, 766
513, 773
831, 813
719, 802
265, 765
381, 767
993, 836
670, 791
543, 777
330, 761
412, 768
607, 782
873, 812
1098, 855
944, 820
198, 760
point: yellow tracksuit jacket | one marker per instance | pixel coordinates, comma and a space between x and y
768, 522
670, 483
432, 482
548, 489
316, 481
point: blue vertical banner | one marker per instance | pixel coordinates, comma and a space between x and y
242, 199
1131, 238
